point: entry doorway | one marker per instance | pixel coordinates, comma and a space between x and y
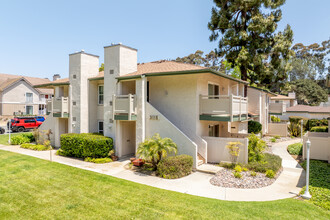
128, 144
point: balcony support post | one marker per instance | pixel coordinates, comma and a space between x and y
113, 106
130, 107
231, 107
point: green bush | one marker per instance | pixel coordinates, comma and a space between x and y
319, 184
252, 173
29, 136
256, 148
245, 169
175, 167
238, 168
277, 137
320, 129
254, 127
237, 174
270, 174
85, 145
316, 123
294, 128
275, 119
98, 160
19, 139
269, 162
37, 147
273, 140
295, 149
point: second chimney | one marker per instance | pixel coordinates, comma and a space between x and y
56, 77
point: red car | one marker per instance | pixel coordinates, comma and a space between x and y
21, 124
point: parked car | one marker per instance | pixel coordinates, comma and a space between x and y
40, 118
20, 124
2, 130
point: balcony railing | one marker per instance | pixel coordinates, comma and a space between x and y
124, 107
224, 106
277, 108
59, 107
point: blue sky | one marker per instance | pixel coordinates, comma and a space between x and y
37, 36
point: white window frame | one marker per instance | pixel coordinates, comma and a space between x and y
98, 94
31, 97
98, 126
213, 84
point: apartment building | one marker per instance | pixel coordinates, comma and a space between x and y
200, 109
18, 95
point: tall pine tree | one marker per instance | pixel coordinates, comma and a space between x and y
246, 30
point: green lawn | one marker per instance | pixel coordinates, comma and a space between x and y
4, 138
32, 188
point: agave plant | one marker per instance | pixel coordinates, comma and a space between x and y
156, 148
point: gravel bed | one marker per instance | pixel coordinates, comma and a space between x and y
225, 178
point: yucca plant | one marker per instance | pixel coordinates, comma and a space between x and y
156, 148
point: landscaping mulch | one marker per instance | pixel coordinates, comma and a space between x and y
225, 178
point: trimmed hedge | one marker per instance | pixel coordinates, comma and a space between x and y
98, 160
320, 129
254, 127
37, 147
295, 149
85, 145
19, 139
175, 167
316, 123
270, 162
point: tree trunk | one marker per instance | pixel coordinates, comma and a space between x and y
244, 77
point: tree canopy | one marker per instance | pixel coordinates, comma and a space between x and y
211, 60
248, 39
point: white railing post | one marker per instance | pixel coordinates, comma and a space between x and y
231, 107
129, 107
240, 108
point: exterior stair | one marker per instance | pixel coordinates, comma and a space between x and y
200, 160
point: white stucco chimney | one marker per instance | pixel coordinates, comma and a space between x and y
56, 77
119, 60
81, 67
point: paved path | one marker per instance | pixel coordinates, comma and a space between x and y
287, 185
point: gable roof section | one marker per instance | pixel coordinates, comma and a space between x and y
7, 80
59, 82
309, 109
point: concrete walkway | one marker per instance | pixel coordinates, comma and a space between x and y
287, 185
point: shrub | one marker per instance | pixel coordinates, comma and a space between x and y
233, 148
98, 160
29, 136
154, 149
319, 184
19, 139
245, 169
175, 167
277, 137
238, 168
315, 123
273, 140
254, 127
255, 148
275, 119
237, 174
320, 129
85, 145
295, 149
269, 162
270, 174
294, 127
227, 165
37, 147
252, 173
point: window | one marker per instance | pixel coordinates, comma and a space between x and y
100, 127
101, 94
29, 110
214, 130
29, 97
29, 121
213, 91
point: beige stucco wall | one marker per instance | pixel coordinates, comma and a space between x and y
167, 129
217, 151
280, 129
320, 146
9, 109
96, 112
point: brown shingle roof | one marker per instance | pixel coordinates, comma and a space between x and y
307, 108
8, 79
281, 97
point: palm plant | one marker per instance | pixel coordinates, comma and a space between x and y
156, 148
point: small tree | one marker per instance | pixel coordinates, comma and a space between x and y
156, 148
234, 150
256, 148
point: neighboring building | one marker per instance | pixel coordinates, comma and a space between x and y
279, 104
306, 111
200, 109
18, 96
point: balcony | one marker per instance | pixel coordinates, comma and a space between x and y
59, 107
124, 107
277, 108
223, 108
